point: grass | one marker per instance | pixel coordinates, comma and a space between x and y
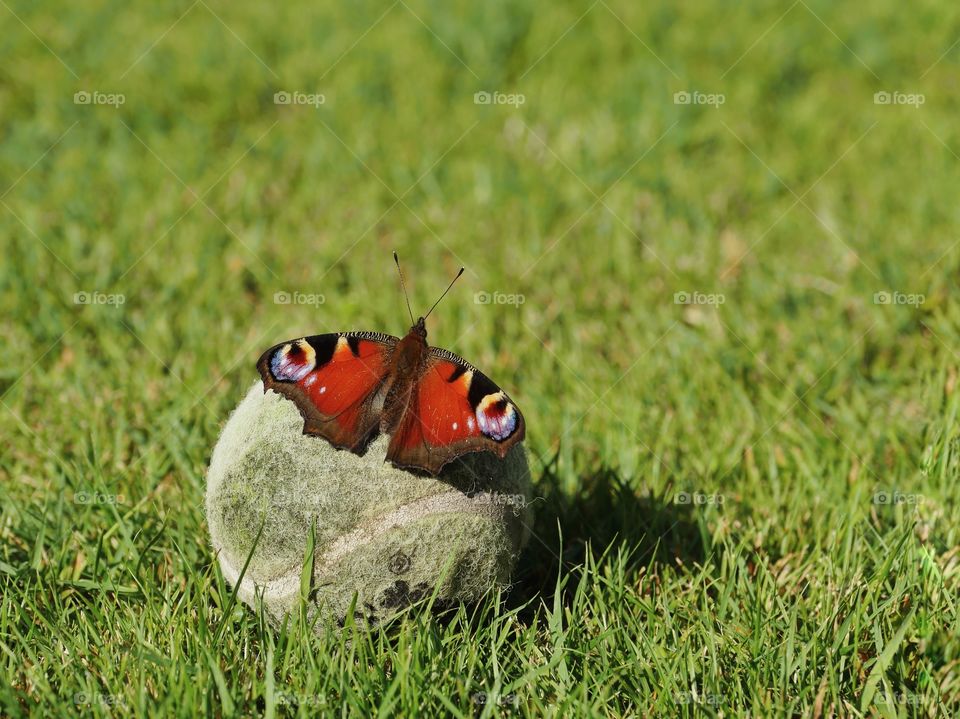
749, 505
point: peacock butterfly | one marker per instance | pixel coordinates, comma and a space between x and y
352, 386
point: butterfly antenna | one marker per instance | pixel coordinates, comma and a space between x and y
444, 292
404, 287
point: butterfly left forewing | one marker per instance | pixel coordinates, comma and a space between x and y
454, 409
334, 380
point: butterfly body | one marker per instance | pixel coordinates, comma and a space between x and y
434, 405
407, 363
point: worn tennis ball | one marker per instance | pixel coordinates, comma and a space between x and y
383, 536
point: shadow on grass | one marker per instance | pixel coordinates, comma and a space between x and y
604, 515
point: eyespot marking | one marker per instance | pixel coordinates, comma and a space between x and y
293, 361
496, 416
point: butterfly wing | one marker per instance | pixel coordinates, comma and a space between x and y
334, 380
454, 409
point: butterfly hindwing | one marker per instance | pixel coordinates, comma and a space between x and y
334, 381
454, 409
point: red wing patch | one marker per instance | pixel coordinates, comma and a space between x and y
333, 379
455, 409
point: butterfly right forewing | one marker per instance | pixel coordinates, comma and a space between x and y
454, 409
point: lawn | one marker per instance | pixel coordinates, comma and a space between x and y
711, 251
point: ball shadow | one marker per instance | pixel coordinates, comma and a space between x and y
603, 516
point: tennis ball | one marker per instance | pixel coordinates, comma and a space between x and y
381, 534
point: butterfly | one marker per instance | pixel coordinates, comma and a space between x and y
352, 386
